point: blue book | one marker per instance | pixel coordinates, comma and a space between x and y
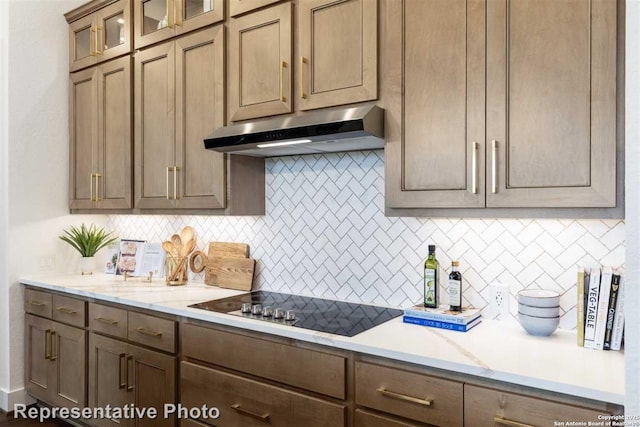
441, 325
443, 314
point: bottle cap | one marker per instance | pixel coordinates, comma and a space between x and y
432, 248
455, 263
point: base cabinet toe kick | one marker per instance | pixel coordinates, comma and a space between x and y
84, 353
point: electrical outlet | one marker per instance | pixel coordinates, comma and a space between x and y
499, 303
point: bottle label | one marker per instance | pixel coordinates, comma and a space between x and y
455, 299
429, 285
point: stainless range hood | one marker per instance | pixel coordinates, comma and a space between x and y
325, 131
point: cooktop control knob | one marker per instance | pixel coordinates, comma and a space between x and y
267, 311
246, 307
278, 313
290, 316
256, 309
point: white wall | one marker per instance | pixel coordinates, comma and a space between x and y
632, 198
37, 156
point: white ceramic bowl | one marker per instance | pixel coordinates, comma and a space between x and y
539, 311
539, 326
539, 298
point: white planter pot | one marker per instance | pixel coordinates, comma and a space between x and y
87, 265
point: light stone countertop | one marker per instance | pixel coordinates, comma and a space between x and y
495, 350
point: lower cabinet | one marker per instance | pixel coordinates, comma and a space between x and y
55, 362
490, 407
122, 374
368, 419
245, 402
411, 395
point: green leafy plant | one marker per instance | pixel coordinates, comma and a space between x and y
88, 240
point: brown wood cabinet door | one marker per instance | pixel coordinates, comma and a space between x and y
194, 14
107, 377
113, 26
38, 375
114, 188
153, 21
199, 111
435, 149
154, 142
82, 43
260, 74
83, 138
338, 52
551, 103
69, 357
152, 383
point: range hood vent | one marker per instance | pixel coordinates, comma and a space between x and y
325, 131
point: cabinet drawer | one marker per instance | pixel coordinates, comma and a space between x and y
267, 359
36, 302
69, 310
489, 407
108, 320
152, 331
186, 422
410, 395
244, 403
367, 419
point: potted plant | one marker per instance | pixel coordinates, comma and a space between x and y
88, 241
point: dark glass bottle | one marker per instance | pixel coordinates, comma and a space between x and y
455, 288
431, 279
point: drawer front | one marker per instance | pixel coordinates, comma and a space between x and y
69, 310
108, 320
187, 422
367, 419
489, 407
152, 331
37, 302
267, 359
410, 395
247, 403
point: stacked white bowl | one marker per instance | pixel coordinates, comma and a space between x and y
539, 311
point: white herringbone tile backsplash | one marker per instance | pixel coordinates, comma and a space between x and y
325, 234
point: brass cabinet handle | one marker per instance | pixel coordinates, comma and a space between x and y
474, 167
506, 422
92, 51
242, 411
494, 166
394, 395
98, 176
176, 169
98, 51
282, 97
168, 170
146, 332
66, 310
177, 17
107, 321
54, 348
130, 385
47, 348
303, 61
121, 383
91, 187
36, 303
169, 22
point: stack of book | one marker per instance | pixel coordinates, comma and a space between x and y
600, 308
443, 318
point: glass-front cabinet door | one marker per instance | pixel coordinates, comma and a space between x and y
158, 20
100, 35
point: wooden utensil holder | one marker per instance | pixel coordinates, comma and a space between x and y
176, 270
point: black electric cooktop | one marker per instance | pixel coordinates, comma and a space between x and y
334, 317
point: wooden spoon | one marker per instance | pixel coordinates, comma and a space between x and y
177, 244
188, 247
188, 233
168, 247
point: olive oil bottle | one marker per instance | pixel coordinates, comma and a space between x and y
431, 279
455, 287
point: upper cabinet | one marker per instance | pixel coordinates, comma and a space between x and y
536, 130
100, 137
98, 33
338, 52
260, 69
336, 64
158, 20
